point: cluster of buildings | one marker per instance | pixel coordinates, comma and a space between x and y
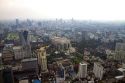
62, 52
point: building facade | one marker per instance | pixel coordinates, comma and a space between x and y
98, 70
61, 44
42, 60
82, 73
25, 43
120, 52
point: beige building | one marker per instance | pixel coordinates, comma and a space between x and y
120, 46
82, 73
42, 60
7, 56
98, 70
21, 52
62, 44
18, 52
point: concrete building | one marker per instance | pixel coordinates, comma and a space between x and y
42, 60
120, 46
29, 64
82, 73
120, 52
119, 55
60, 74
61, 44
7, 56
0, 58
25, 43
8, 76
18, 52
98, 70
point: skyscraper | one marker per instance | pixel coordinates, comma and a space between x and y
120, 52
25, 44
42, 60
82, 73
98, 70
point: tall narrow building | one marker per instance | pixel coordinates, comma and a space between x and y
25, 44
42, 60
120, 52
82, 73
98, 70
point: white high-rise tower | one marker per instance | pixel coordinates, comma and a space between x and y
82, 73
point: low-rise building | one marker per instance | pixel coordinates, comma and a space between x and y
61, 44
29, 64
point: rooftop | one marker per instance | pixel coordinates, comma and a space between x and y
29, 59
60, 40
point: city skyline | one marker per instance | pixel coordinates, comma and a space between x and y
66, 9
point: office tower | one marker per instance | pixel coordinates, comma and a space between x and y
60, 74
61, 71
7, 56
82, 73
25, 44
120, 52
42, 60
98, 70
120, 46
18, 52
1, 75
17, 21
24, 38
85, 35
0, 58
8, 76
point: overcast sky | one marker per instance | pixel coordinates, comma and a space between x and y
65, 9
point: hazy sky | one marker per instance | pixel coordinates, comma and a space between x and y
66, 9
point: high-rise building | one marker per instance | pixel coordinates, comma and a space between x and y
25, 43
82, 73
24, 38
17, 23
18, 52
98, 70
8, 76
0, 58
7, 56
120, 52
60, 74
120, 46
42, 60
1, 76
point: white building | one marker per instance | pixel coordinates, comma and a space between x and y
82, 73
98, 70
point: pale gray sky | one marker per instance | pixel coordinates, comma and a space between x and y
66, 9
